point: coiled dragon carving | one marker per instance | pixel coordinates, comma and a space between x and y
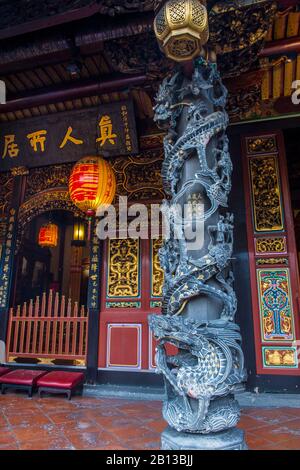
199, 302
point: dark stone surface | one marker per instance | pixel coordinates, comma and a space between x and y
231, 439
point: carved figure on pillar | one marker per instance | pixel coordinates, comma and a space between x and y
199, 302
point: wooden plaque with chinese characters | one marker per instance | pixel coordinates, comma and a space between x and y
108, 130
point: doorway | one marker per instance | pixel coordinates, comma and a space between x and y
60, 267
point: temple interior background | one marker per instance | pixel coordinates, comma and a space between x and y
67, 67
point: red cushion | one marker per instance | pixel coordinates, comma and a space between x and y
60, 379
4, 370
22, 377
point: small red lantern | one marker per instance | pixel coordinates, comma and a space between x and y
48, 235
92, 184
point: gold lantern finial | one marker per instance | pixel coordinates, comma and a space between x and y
181, 28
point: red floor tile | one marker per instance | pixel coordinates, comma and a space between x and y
253, 440
291, 444
6, 437
35, 433
68, 416
80, 426
293, 412
112, 447
249, 422
92, 440
3, 420
47, 444
24, 419
89, 423
134, 433
9, 447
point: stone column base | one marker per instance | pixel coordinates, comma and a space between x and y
231, 439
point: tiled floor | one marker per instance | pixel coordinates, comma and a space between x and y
91, 423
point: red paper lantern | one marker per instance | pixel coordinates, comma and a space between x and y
48, 235
92, 184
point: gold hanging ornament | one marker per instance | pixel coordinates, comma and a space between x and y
181, 28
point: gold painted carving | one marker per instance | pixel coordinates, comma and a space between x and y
271, 261
265, 144
46, 360
12, 358
270, 245
266, 198
79, 362
280, 357
139, 177
157, 277
40, 179
45, 201
152, 141
232, 27
155, 303
6, 190
123, 304
123, 268
19, 171
3, 228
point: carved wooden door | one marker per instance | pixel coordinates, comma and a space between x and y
131, 290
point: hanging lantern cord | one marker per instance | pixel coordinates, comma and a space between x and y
91, 215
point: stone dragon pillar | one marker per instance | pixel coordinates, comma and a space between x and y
199, 303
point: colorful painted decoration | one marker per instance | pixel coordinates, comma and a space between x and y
275, 305
48, 235
92, 184
279, 357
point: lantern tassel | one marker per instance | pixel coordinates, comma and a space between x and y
91, 215
89, 229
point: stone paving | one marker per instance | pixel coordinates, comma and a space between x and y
115, 424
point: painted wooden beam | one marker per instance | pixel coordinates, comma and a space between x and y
55, 48
81, 89
49, 21
283, 46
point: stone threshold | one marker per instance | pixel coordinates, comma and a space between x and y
245, 399
124, 391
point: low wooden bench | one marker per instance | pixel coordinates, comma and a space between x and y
4, 370
60, 382
21, 379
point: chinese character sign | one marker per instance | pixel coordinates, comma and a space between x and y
7, 259
94, 277
108, 130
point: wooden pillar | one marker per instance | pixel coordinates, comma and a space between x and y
93, 304
8, 265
